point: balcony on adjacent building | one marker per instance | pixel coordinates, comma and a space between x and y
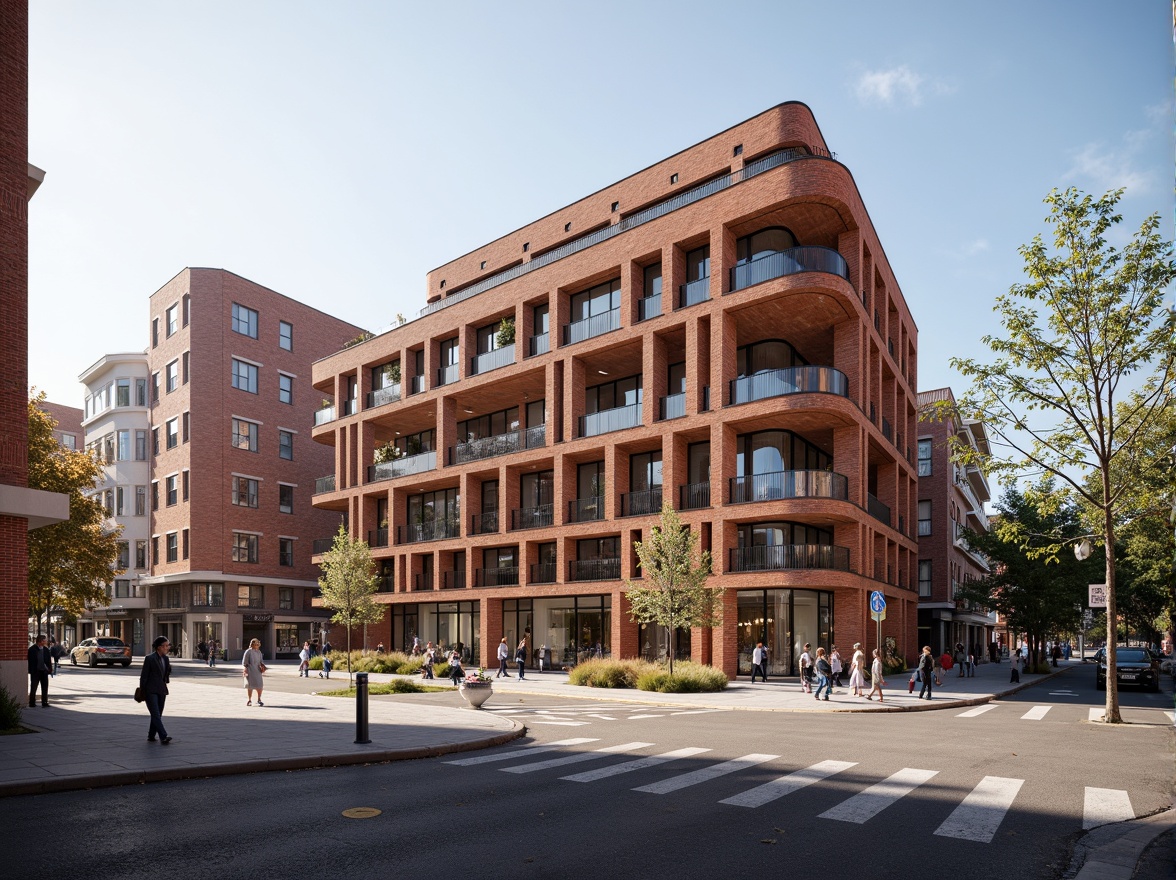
321, 545
788, 262
642, 503
594, 570
453, 580
498, 577
649, 307
381, 396
886, 429
586, 509
789, 556
484, 523
542, 573
694, 292
789, 380
324, 414
672, 406
608, 420
499, 444
324, 484
434, 530
531, 517
877, 509
779, 485
694, 496
400, 467
595, 325
540, 343
378, 537
492, 360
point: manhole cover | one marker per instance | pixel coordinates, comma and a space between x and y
361, 812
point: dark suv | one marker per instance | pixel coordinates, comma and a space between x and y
1132, 665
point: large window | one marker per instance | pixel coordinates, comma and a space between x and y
491, 425
610, 395
245, 491
140, 501
172, 483
173, 433
173, 546
924, 578
286, 598
124, 445
140, 554
173, 319
766, 452
172, 379
764, 243
244, 547
784, 620
924, 518
285, 498
770, 354
124, 555
244, 320
249, 596
285, 444
925, 458
141, 445
286, 335
208, 595
244, 376
285, 388
245, 435
122, 392
286, 551
597, 300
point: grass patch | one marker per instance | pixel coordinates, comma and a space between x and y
397, 686
688, 678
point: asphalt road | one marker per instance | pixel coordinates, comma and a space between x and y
910, 795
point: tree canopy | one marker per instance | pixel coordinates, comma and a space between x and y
348, 583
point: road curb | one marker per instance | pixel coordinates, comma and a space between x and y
1116, 860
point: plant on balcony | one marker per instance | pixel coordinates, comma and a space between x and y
392, 373
675, 572
386, 452
348, 583
506, 333
325, 403
364, 336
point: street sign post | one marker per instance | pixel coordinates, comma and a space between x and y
878, 612
1098, 596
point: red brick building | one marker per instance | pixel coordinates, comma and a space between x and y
721, 330
951, 498
232, 464
69, 431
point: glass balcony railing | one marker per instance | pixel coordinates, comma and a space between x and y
693, 496
586, 509
649, 307
377, 538
790, 380
672, 406
542, 573
416, 384
492, 360
499, 444
642, 503
877, 509
324, 484
434, 530
596, 325
694, 292
790, 262
531, 517
484, 523
594, 570
540, 344
387, 394
448, 375
786, 556
498, 577
607, 420
409, 464
777, 485
324, 414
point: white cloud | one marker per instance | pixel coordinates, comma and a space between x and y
898, 85
1100, 168
974, 248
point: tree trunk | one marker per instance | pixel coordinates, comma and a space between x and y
1111, 715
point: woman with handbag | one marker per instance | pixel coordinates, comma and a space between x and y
253, 668
152, 688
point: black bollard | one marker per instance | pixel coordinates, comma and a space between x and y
361, 709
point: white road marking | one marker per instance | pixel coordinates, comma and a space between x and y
698, 711
1036, 713
576, 759
1062, 694
1103, 806
864, 806
1096, 714
562, 723
777, 788
636, 717
524, 752
695, 777
1171, 716
979, 710
980, 813
630, 766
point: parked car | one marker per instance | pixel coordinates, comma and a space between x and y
101, 650
1132, 665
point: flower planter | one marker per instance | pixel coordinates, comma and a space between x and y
476, 693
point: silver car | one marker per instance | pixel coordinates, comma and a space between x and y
101, 650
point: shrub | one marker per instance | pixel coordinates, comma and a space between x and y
688, 678
410, 666
441, 670
894, 665
396, 686
608, 673
10, 711
316, 662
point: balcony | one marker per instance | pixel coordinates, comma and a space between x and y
642, 503
778, 485
694, 496
324, 414
416, 385
594, 570
886, 430
596, 325
409, 464
448, 375
453, 580
540, 343
324, 484
790, 262
608, 420
321, 545
877, 509
672, 406
586, 509
484, 523
694, 292
381, 396
436, 530
542, 573
422, 581
499, 444
498, 577
378, 538
790, 556
649, 307
531, 517
789, 380
492, 360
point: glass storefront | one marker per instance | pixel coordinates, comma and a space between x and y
653, 643
452, 624
784, 620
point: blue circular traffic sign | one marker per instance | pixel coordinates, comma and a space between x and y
877, 602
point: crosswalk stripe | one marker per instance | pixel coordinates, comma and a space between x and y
685, 780
576, 758
630, 766
1036, 713
639, 717
980, 813
561, 723
777, 788
1171, 716
1102, 806
865, 805
979, 710
524, 752
1096, 713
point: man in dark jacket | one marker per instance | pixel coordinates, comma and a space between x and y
926, 672
40, 662
153, 681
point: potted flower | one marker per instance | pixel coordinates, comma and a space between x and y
477, 688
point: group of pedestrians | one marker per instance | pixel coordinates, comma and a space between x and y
309, 650
520, 658
824, 670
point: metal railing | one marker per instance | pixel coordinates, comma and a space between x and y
542, 573
596, 325
672, 406
453, 580
777, 485
608, 420
381, 396
448, 375
586, 509
422, 582
694, 496
789, 380
321, 545
649, 307
877, 509
492, 360
886, 430
498, 577
594, 569
324, 484
786, 556
788, 262
324, 414
531, 517
484, 523
378, 537
409, 464
540, 344
499, 444
642, 503
694, 292
435, 530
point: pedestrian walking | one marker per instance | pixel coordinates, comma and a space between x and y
380, 648
1014, 667
824, 675
327, 666
806, 669
153, 679
40, 662
304, 661
213, 650
759, 662
430, 659
456, 673
876, 680
857, 678
253, 670
961, 659
926, 672
972, 663
56, 652
521, 657
503, 657
835, 662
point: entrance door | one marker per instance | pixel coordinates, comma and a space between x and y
249, 632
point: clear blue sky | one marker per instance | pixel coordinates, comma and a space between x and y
337, 152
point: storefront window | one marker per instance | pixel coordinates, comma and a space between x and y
784, 620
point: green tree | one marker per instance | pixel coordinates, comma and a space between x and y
71, 563
676, 573
1088, 331
348, 583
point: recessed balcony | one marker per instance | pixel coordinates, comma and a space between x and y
608, 420
672, 406
694, 496
321, 545
594, 570
694, 292
324, 484
540, 343
543, 573
499, 444
409, 464
498, 577
423, 581
789, 380
790, 556
484, 523
377, 537
788, 262
381, 396
642, 503
531, 517
595, 325
434, 530
779, 485
324, 414
877, 509
586, 509
453, 580
416, 384
492, 360
649, 307
448, 375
